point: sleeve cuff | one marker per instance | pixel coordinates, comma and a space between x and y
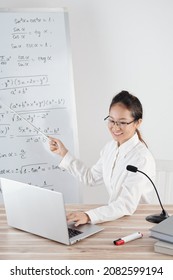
93, 218
64, 163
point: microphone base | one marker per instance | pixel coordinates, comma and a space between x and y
157, 218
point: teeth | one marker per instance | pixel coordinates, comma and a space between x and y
117, 134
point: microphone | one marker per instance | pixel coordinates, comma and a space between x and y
156, 218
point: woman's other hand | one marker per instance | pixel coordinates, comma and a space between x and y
79, 218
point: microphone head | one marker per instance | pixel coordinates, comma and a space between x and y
131, 168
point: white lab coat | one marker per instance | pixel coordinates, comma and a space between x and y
126, 189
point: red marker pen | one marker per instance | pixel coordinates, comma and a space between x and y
128, 238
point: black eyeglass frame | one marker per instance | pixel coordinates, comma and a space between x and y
123, 123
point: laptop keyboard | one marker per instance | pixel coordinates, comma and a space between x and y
73, 232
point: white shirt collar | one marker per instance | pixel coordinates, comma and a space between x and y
129, 144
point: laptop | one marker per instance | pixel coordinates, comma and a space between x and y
41, 212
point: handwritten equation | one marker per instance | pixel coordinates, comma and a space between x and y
32, 33
31, 168
4, 60
26, 131
13, 154
39, 104
25, 81
32, 112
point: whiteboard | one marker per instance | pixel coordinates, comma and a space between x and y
36, 82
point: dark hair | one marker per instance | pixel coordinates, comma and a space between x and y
133, 104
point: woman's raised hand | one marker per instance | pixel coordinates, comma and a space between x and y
57, 146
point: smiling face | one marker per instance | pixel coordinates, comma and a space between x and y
121, 133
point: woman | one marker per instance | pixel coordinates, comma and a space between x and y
125, 189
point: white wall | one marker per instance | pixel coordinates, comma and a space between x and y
119, 44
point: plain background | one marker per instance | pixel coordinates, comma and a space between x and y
116, 45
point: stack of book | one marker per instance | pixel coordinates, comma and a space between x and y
164, 233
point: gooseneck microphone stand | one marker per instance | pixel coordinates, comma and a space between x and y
156, 218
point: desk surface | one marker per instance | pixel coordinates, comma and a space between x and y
16, 244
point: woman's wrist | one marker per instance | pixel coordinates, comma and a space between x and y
63, 153
88, 218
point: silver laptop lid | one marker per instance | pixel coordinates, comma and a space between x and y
35, 210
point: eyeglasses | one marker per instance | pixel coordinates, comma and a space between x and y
120, 124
